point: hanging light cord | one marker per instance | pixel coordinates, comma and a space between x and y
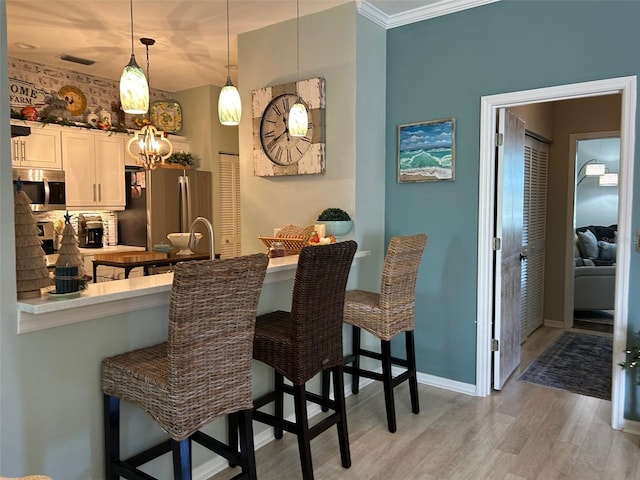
131, 6
148, 80
228, 55
297, 47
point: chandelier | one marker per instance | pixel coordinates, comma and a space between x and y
149, 146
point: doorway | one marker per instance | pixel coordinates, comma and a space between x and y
626, 86
595, 217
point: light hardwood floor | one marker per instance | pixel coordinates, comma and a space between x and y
523, 432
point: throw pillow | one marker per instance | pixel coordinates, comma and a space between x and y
607, 251
588, 244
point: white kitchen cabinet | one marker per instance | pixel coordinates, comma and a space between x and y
41, 149
94, 169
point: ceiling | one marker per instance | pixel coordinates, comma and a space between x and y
191, 42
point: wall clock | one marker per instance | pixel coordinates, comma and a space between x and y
275, 152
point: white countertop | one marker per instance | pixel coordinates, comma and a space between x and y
118, 296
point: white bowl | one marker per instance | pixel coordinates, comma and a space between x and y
181, 241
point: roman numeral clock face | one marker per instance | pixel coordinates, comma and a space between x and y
280, 147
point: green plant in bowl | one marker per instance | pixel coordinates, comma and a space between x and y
337, 222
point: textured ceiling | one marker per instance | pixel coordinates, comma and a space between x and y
191, 45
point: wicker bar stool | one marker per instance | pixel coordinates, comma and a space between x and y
385, 315
202, 372
304, 342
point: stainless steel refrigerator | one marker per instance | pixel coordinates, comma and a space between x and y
163, 201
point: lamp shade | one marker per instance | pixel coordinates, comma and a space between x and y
608, 180
594, 169
134, 89
298, 122
229, 105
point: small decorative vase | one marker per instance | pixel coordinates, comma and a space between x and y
29, 113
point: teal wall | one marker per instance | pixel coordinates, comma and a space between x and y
440, 68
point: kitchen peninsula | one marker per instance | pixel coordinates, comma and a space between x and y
111, 298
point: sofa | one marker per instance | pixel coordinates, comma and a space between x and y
594, 274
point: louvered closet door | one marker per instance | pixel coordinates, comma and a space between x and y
533, 233
229, 202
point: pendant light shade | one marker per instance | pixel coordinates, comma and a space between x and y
229, 104
298, 121
134, 89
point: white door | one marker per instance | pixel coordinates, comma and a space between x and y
508, 252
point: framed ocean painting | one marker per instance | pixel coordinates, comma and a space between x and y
427, 151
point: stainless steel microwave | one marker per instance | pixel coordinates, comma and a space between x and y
45, 188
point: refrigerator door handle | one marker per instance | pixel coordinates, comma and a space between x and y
185, 202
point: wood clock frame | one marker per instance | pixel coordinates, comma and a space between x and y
312, 93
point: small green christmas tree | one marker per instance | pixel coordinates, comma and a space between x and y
31, 264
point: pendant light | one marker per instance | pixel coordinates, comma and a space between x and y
298, 121
153, 146
229, 105
134, 89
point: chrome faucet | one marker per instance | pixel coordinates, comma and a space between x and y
192, 235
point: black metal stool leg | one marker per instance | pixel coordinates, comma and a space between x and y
326, 382
304, 437
247, 451
413, 380
111, 418
387, 382
341, 409
278, 408
232, 433
355, 349
181, 459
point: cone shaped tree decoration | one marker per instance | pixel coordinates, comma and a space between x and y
69, 254
31, 265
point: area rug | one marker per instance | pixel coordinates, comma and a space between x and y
577, 362
597, 320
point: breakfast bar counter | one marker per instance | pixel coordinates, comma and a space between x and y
111, 298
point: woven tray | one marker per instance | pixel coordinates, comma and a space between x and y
292, 245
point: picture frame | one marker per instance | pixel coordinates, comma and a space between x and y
427, 151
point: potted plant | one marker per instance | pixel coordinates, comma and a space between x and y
182, 160
337, 222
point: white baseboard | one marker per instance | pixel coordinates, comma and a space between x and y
631, 426
553, 323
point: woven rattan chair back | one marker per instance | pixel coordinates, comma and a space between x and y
398, 284
211, 326
317, 308
203, 371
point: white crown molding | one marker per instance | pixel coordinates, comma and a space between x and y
433, 10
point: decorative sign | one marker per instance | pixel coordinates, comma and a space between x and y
22, 94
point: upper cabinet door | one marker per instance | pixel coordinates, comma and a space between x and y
110, 152
41, 149
79, 153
